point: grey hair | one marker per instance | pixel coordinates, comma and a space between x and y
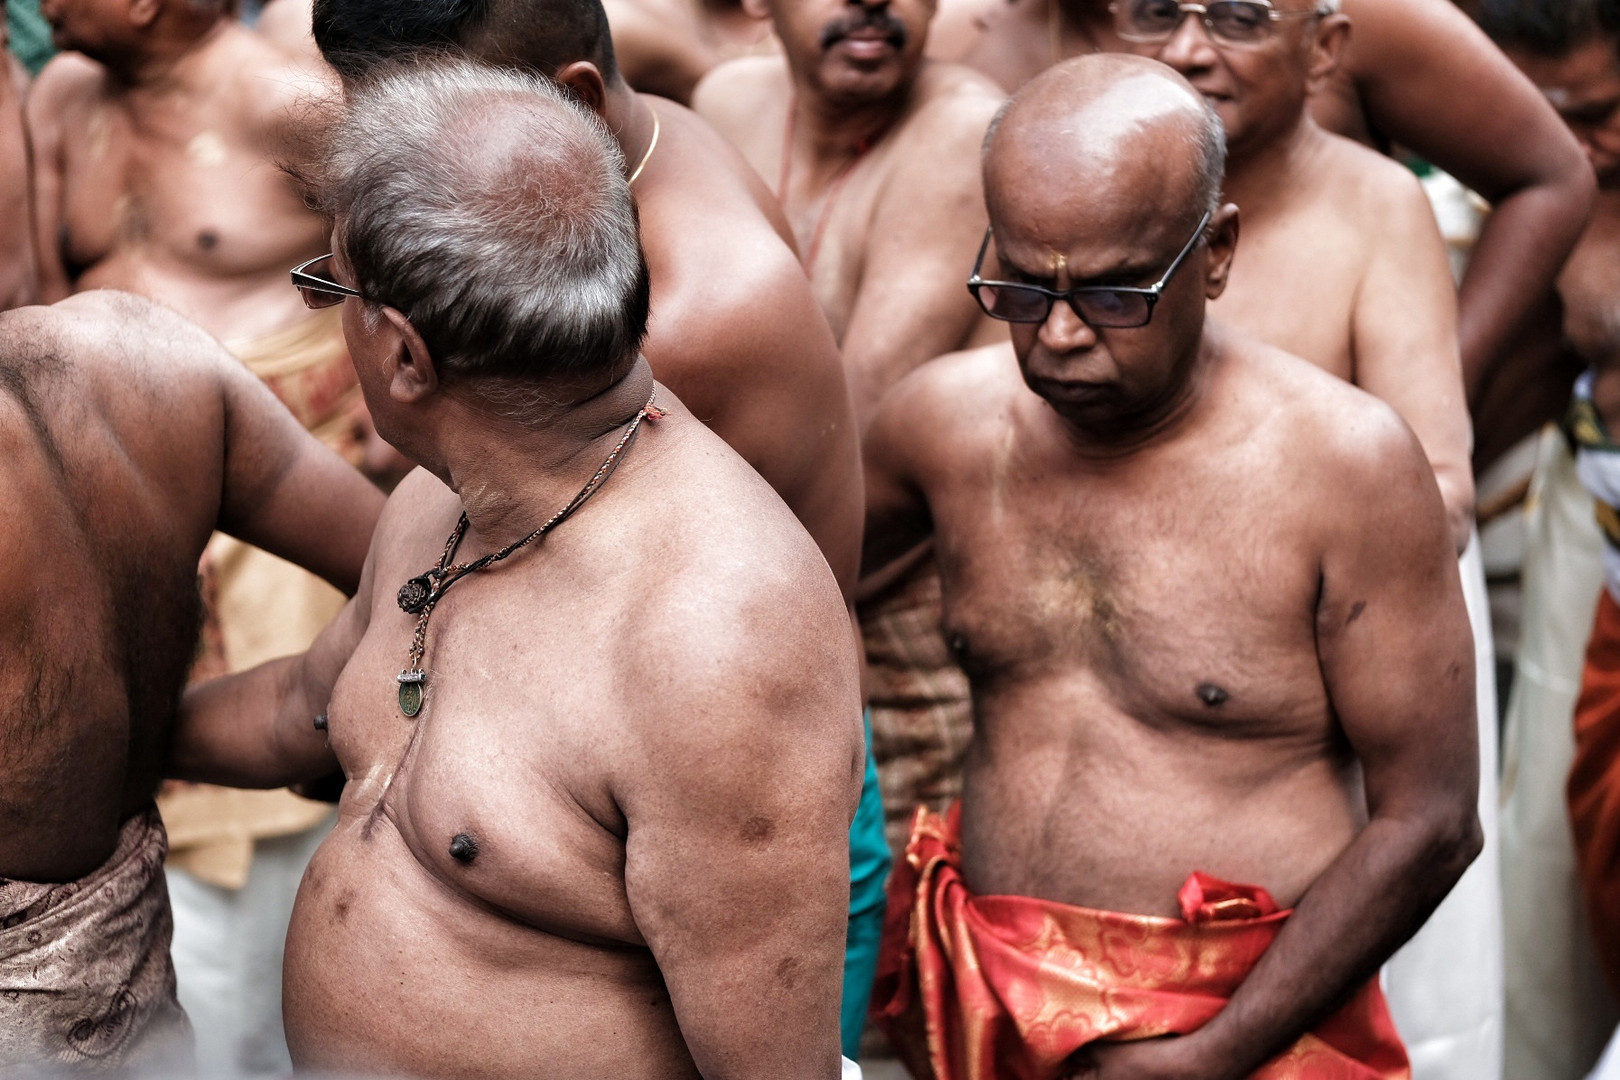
493, 212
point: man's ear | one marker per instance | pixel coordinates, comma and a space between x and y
142, 13
1330, 44
412, 374
1223, 238
584, 80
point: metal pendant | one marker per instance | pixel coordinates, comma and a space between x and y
410, 692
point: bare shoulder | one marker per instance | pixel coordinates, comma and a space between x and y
950, 406
1324, 428
731, 95
742, 602
953, 107
69, 81
1388, 32
277, 88
1371, 189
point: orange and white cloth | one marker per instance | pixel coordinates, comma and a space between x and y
1009, 987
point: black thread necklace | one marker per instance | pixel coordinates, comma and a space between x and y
421, 594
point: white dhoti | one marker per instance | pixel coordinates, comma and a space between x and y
1445, 985
1559, 1011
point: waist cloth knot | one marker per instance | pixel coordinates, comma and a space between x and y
1010, 987
85, 977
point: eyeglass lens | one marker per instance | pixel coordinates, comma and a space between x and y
315, 297
1098, 307
1237, 21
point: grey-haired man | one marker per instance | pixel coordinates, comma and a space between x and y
597, 699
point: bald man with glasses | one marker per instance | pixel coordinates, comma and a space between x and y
1344, 266
1207, 601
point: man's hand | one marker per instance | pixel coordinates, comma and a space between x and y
1149, 1059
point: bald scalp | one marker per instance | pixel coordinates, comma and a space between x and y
1113, 123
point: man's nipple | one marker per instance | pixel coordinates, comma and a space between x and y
1211, 695
463, 848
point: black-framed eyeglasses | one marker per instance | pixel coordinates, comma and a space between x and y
1230, 22
1100, 306
313, 280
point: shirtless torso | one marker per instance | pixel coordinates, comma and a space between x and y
645, 834
171, 188
101, 601
886, 230
17, 267
1108, 667
1589, 286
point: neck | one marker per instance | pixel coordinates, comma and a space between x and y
511, 475
827, 133
167, 56
1116, 437
1269, 172
630, 120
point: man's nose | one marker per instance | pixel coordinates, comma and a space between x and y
1066, 332
1189, 47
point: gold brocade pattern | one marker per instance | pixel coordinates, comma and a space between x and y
1010, 988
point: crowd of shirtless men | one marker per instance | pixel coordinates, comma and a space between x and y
830, 540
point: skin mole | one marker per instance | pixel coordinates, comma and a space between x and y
787, 972
1212, 695
208, 239
463, 848
758, 829
320, 722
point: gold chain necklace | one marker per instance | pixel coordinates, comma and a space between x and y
652, 144
420, 595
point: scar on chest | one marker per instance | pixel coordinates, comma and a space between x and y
463, 848
1212, 695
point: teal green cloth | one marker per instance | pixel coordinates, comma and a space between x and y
30, 34
868, 873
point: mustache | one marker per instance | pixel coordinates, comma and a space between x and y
865, 18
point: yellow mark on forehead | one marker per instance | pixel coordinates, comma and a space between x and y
206, 149
1059, 263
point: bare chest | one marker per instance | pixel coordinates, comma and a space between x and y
1197, 601
494, 785
179, 187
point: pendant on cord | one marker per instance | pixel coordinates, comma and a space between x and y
410, 692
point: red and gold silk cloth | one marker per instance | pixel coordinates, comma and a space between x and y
1009, 987
1594, 786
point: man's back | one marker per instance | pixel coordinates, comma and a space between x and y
173, 191
736, 335
535, 836
115, 507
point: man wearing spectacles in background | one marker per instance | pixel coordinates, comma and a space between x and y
1207, 599
1344, 266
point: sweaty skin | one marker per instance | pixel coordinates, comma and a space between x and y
163, 180
1204, 593
636, 871
882, 187
1420, 75
1342, 262
100, 598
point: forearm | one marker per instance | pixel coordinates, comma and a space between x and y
255, 729
1515, 263
1364, 906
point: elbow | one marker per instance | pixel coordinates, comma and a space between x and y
1453, 842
